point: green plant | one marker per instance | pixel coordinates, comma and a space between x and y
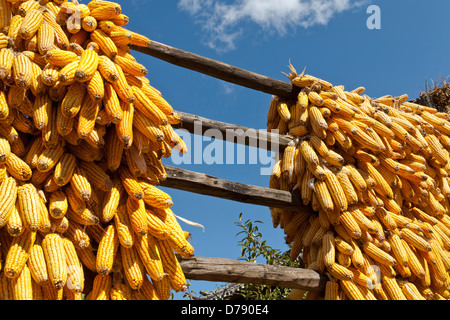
253, 247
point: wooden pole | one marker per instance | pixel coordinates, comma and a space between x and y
219, 70
233, 133
204, 184
227, 270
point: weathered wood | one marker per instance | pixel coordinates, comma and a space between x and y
204, 184
227, 270
233, 133
219, 70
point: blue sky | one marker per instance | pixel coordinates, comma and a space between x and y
328, 37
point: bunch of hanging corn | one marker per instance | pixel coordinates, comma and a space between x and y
82, 136
375, 173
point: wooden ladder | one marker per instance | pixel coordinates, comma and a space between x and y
228, 270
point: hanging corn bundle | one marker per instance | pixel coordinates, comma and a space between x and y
82, 138
375, 171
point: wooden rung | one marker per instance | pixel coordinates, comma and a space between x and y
219, 70
227, 270
233, 133
204, 184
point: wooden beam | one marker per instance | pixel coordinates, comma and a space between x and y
219, 70
227, 270
204, 184
233, 133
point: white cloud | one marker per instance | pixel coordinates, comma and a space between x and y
220, 21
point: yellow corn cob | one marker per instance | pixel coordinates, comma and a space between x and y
107, 250
86, 218
87, 66
50, 132
22, 71
75, 277
336, 190
6, 62
60, 58
350, 224
5, 16
18, 253
96, 87
172, 266
44, 222
102, 285
415, 240
15, 225
147, 127
123, 227
132, 267
49, 158
149, 254
22, 285
45, 38
96, 175
378, 254
151, 93
121, 86
87, 116
323, 196
57, 91
131, 67
67, 73
120, 20
37, 264
4, 108
121, 291
89, 23
147, 108
105, 43
331, 290
31, 23
111, 200
309, 154
386, 218
112, 104
155, 197
351, 290
318, 122
73, 100
8, 196
29, 205
107, 69
58, 204
5, 288
137, 215
105, 12
340, 272
76, 203
55, 257
80, 184
130, 183
329, 249
392, 288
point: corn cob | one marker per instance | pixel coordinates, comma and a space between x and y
18, 253
132, 267
55, 257
107, 250
87, 66
22, 285
101, 288
37, 264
